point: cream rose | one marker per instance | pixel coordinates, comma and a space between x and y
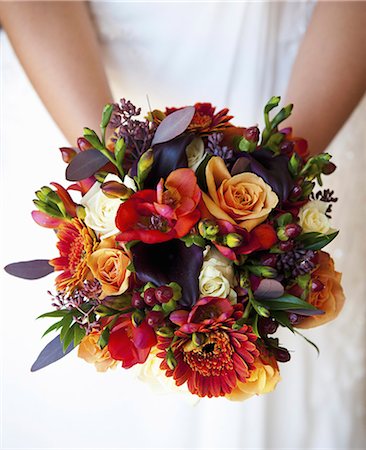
244, 199
101, 210
313, 219
195, 152
217, 277
90, 351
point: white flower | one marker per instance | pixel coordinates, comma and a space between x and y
195, 152
101, 210
217, 277
312, 218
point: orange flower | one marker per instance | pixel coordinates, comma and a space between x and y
262, 379
109, 265
243, 199
90, 351
330, 299
76, 243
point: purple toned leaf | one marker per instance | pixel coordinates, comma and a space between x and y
85, 164
307, 312
30, 270
167, 262
273, 170
173, 125
50, 354
269, 289
168, 157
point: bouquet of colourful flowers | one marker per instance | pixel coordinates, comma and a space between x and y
191, 241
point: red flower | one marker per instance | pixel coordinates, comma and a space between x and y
209, 354
262, 237
158, 216
131, 344
205, 120
299, 145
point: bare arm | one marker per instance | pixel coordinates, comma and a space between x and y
329, 74
58, 48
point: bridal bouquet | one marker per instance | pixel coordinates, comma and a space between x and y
190, 242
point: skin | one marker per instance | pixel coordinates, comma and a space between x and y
59, 51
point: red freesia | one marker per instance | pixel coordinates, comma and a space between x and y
210, 355
158, 216
299, 145
131, 344
262, 237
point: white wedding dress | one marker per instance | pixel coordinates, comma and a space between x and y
231, 54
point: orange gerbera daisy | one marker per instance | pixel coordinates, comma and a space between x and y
209, 354
76, 243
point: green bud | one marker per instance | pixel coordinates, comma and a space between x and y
208, 229
106, 116
100, 176
144, 165
199, 339
170, 359
165, 332
243, 280
177, 291
262, 311
281, 234
48, 209
233, 240
80, 212
137, 317
114, 189
263, 271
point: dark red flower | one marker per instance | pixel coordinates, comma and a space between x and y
296, 144
205, 119
157, 216
209, 354
131, 344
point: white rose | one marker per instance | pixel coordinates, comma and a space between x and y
101, 210
312, 218
195, 152
217, 277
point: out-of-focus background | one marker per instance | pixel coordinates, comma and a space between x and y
320, 402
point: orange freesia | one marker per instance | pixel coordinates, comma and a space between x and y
244, 199
330, 299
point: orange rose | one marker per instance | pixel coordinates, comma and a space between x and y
90, 351
263, 379
244, 199
330, 299
109, 266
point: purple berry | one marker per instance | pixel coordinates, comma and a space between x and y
296, 192
286, 246
292, 230
154, 318
137, 301
282, 354
317, 286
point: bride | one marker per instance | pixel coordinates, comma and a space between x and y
80, 56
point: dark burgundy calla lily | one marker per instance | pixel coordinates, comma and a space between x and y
167, 262
273, 170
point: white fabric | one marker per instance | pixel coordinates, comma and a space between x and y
235, 55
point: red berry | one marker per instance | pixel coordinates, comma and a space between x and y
282, 354
292, 230
154, 318
286, 246
296, 192
137, 301
163, 294
149, 297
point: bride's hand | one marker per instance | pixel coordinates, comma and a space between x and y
57, 44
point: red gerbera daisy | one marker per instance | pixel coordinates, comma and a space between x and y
76, 243
209, 354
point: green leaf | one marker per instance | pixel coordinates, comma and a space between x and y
282, 319
281, 116
131, 267
316, 241
54, 326
308, 341
79, 333
66, 322
199, 240
68, 337
272, 103
286, 302
201, 173
104, 338
106, 115
93, 139
130, 244
57, 313
284, 219
168, 307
